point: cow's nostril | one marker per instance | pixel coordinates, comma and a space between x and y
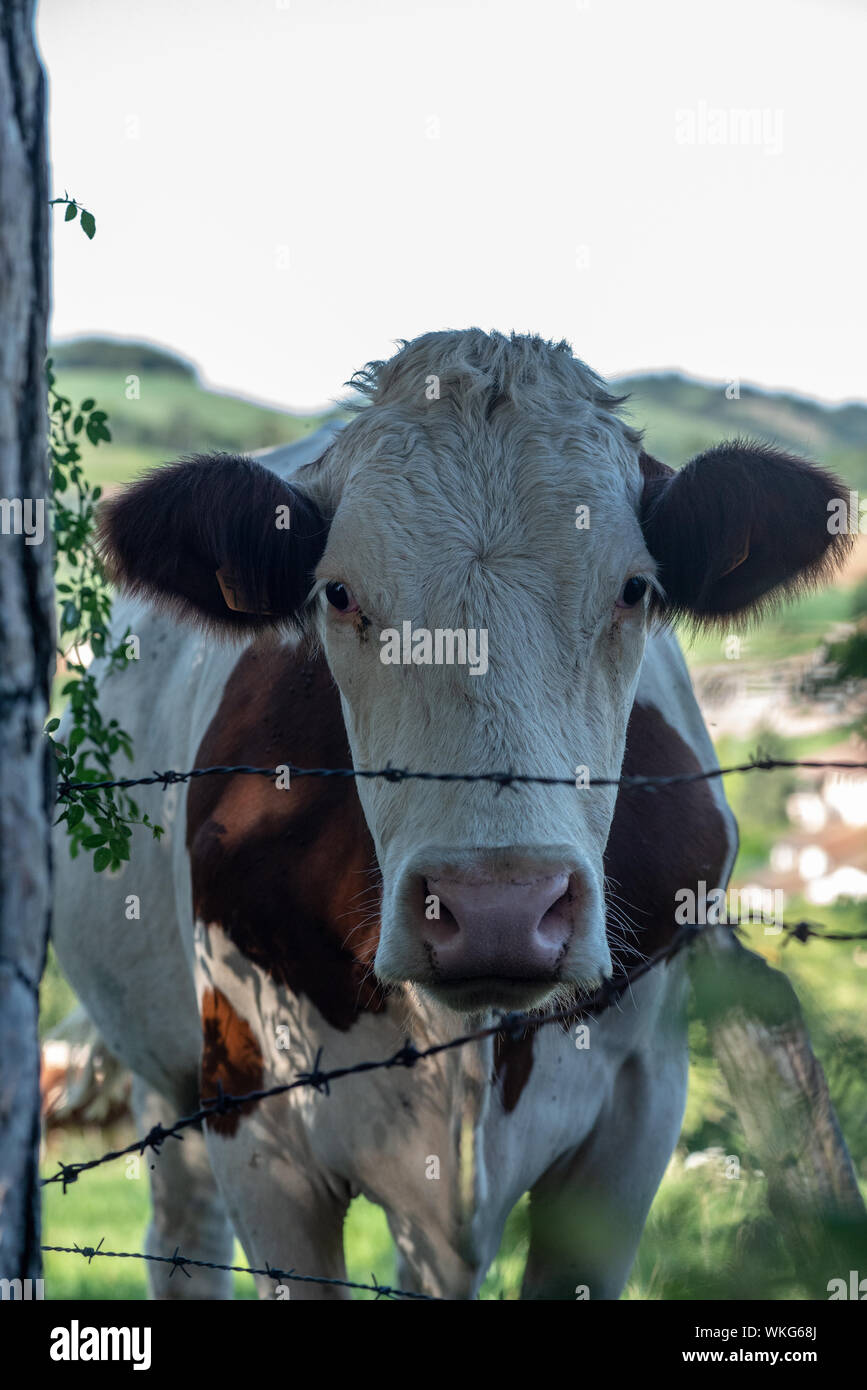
556, 918
441, 926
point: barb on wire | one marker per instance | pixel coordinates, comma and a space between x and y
66, 788
513, 1024
806, 931
184, 1263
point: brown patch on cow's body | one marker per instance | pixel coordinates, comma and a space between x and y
513, 1062
290, 875
661, 840
231, 1058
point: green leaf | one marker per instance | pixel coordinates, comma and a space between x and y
76, 739
74, 815
87, 405
88, 223
69, 617
101, 860
70, 213
52, 725
93, 841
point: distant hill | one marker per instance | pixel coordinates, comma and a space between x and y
683, 416
116, 355
175, 414
166, 412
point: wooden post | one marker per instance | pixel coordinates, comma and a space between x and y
781, 1096
26, 629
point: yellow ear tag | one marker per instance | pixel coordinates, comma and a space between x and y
234, 596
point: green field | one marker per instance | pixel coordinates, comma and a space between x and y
709, 1236
173, 417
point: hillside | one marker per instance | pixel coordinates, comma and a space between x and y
176, 413
173, 415
682, 416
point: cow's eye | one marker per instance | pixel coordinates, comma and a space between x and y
340, 597
633, 591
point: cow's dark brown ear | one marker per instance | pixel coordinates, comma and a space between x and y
218, 539
739, 527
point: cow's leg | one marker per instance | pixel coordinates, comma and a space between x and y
588, 1211
287, 1212
188, 1212
428, 1262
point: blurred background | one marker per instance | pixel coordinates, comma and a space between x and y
283, 188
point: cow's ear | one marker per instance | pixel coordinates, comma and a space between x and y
217, 539
740, 526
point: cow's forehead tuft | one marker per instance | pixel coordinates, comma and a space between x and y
487, 370
473, 412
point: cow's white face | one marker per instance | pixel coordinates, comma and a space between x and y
449, 506
453, 521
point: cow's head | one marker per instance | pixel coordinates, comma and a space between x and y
489, 504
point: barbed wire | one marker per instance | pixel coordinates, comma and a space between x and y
513, 1025
180, 1262
67, 788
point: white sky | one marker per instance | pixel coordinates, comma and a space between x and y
431, 165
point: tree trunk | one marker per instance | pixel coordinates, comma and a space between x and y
26, 629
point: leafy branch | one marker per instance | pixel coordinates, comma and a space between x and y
99, 821
73, 208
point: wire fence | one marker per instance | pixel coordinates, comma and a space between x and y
184, 1264
513, 1025
67, 788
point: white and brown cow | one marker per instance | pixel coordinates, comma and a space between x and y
277, 922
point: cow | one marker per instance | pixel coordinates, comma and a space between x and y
489, 486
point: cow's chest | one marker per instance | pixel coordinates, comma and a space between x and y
450, 1144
